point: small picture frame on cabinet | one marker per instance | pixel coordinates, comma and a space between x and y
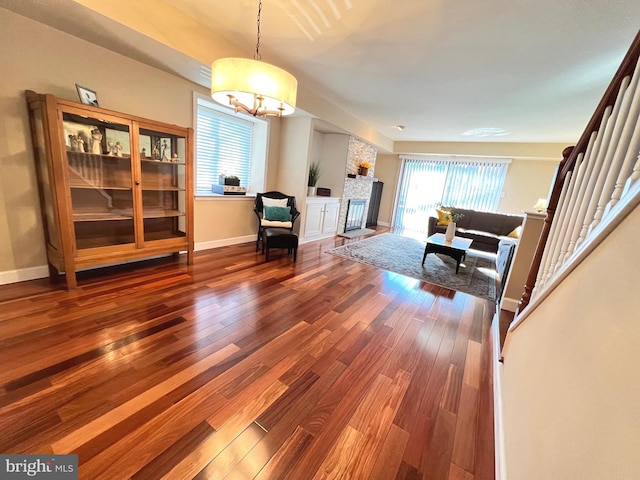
87, 96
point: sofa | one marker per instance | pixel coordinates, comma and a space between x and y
486, 229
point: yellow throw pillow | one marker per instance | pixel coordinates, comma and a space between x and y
444, 217
515, 233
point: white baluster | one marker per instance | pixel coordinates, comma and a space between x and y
629, 166
573, 199
633, 178
625, 150
612, 135
578, 209
552, 242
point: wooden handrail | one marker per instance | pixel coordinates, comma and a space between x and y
570, 155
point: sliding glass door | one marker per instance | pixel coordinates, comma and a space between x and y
421, 188
426, 183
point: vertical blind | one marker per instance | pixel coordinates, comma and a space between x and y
223, 147
462, 183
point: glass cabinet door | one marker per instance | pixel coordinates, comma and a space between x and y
163, 175
100, 180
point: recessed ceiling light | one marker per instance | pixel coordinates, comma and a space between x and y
486, 132
399, 127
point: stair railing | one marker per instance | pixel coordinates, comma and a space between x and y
596, 186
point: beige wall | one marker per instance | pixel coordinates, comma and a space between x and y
387, 171
528, 179
335, 148
570, 382
487, 149
166, 24
295, 157
222, 221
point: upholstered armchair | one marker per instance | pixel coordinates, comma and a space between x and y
271, 210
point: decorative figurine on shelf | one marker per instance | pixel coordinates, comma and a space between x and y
117, 149
165, 151
155, 153
96, 140
73, 143
80, 144
174, 158
143, 153
110, 147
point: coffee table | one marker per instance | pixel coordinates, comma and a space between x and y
456, 248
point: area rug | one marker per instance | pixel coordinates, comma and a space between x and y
477, 275
357, 233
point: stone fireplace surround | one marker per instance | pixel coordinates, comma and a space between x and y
358, 187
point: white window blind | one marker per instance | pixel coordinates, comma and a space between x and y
464, 183
223, 147
474, 184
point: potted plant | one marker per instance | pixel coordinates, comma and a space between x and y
229, 180
363, 168
314, 175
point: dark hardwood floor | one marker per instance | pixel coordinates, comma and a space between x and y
236, 368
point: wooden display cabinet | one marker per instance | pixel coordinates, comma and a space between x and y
113, 187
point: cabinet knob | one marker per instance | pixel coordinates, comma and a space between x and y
137, 182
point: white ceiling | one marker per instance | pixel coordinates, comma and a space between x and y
535, 69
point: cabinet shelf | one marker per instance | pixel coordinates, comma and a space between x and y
152, 236
88, 186
102, 216
159, 213
97, 241
81, 156
160, 188
160, 162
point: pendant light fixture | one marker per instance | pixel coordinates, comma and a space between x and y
253, 86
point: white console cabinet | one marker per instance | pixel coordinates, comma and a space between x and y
321, 217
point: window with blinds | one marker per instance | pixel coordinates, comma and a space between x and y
226, 145
464, 183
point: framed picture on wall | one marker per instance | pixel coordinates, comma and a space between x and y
87, 96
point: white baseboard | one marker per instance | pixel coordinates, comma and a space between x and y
42, 271
224, 242
23, 274
501, 472
509, 304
